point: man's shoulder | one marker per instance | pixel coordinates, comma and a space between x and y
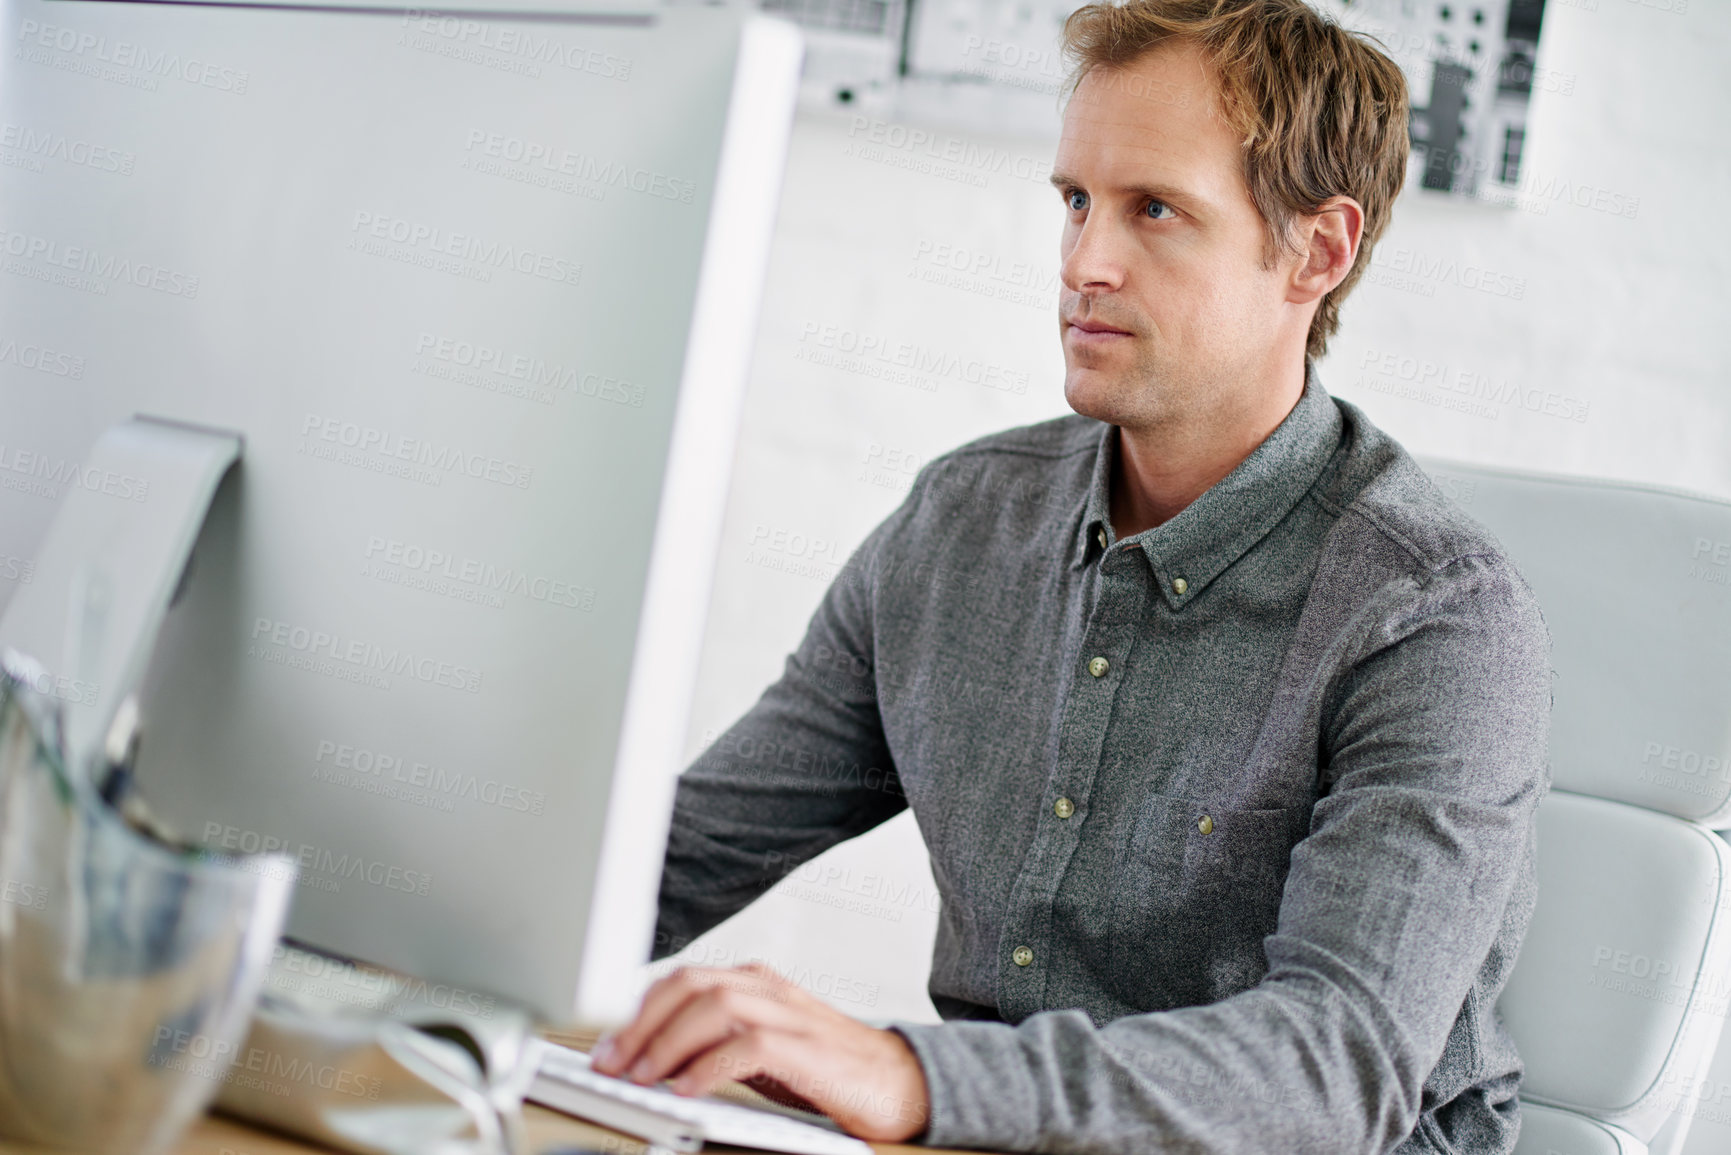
1376, 488
1044, 462
1030, 446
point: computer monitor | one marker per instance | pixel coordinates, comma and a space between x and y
478, 291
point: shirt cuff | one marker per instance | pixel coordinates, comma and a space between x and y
981, 1096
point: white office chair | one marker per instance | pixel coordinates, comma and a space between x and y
1619, 997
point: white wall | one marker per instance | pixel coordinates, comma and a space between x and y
1621, 320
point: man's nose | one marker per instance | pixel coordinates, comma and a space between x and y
1095, 264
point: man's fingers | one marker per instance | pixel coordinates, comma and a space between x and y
851, 1089
743, 1055
702, 1022
661, 1003
707, 1027
618, 1054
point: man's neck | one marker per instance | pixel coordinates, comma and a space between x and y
1159, 471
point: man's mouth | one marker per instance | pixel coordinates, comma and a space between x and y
1097, 328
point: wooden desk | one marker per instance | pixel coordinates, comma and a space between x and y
548, 1132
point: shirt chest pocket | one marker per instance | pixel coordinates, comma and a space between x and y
1195, 890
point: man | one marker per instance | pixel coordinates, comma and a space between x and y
1223, 728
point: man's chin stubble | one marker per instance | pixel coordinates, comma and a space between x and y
1126, 397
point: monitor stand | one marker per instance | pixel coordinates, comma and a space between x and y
110, 566
114, 558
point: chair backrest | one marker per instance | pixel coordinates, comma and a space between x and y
1618, 1000
1707, 1100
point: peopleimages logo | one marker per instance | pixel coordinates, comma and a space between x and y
1424, 267
365, 439
416, 236
206, 1058
337, 980
319, 860
360, 768
1417, 374
80, 262
58, 146
986, 274
447, 566
88, 49
920, 359
511, 41
1711, 561
28, 895
67, 689
43, 475
539, 377
579, 166
879, 140
363, 655
1701, 773
56, 363
889, 467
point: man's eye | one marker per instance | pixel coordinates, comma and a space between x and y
1159, 210
1078, 200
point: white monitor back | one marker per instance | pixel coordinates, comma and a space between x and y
478, 291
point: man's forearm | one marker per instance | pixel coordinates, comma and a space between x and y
1294, 1065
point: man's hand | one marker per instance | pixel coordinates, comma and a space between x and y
703, 1027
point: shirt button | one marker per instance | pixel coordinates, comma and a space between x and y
1179, 585
1098, 667
1205, 824
1021, 956
1102, 536
1063, 808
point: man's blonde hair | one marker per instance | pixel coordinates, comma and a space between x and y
1321, 111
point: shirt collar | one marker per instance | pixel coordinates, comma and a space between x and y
1193, 548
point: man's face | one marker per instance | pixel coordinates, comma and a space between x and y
1166, 312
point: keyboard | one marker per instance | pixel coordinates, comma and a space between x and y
565, 1082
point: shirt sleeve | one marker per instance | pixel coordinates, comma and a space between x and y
807, 767
1433, 747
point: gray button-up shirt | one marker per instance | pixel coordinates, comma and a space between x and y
1232, 820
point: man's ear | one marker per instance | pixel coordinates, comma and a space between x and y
1328, 245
